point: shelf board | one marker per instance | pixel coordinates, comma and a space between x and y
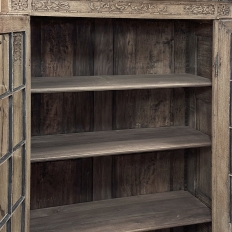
115, 82
138, 213
115, 142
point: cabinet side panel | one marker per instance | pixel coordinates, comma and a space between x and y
199, 113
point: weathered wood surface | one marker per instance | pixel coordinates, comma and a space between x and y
69, 146
10, 23
100, 47
221, 128
117, 82
4, 63
141, 213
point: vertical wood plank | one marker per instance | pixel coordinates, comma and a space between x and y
221, 122
124, 63
103, 65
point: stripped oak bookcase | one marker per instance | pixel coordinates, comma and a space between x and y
115, 116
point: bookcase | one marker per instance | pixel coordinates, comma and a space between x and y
130, 117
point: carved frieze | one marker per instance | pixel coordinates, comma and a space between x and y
50, 5
127, 7
202, 9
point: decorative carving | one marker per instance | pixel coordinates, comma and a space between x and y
125, 7
200, 9
19, 5
17, 47
50, 5
223, 10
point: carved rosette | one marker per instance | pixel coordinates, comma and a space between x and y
17, 47
223, 10
19, 5
127, 7
200, 9
50, 5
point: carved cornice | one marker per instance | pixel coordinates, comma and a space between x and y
130, 9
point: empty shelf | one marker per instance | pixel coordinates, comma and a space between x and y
139, 213
100, 143
115, 82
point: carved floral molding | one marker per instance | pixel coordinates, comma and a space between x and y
223, 10
200, 9
19, 5
17, 46
50, 5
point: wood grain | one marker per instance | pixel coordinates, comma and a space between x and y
138, 213
67, 146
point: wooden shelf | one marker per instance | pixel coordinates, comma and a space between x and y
139, 213
115, 82
100, 143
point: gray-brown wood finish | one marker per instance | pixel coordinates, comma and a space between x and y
115, 142
142, 213
131, 47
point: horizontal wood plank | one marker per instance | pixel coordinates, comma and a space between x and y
115, 82
101, 143
139, 213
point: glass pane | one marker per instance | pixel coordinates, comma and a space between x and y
4, 63
3, 189
17, 59
17, 175
4, 126
17, 118
17, 219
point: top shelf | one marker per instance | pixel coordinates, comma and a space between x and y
115, 82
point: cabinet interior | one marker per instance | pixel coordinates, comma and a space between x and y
63, 47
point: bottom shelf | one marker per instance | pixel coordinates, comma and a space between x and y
137, 213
